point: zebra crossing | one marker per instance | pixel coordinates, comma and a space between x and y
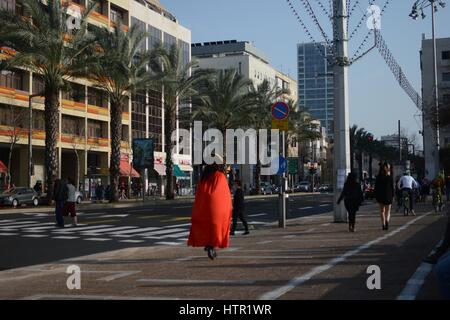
164, 235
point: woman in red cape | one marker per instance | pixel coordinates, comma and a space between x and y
211, 214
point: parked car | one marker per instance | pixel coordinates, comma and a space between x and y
303, 186
325, 188
18, 196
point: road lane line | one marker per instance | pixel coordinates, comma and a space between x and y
297, 281
35, 236
165, 243
131, 241
192, 281
305, 208
412, 287
159, 232
8, 234
65, 238
258, 215
97, 239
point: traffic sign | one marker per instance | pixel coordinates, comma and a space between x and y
280, 111
282, 165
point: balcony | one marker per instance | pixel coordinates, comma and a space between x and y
7, 131
14, 94
97, 110
98, 142
73, 105
72, 139
125, 116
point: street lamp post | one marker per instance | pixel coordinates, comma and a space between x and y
417, 9
30, 137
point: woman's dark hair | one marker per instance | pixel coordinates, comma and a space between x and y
351, 179
209, 170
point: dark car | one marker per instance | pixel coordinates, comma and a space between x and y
17, 196
303, 186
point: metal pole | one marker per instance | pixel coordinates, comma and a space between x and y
282, 202
30, 137
399, 142
341, 161
436, 93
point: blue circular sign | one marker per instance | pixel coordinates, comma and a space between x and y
280, 111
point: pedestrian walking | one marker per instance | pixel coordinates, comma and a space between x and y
384, 193
238, 208
211, 214
60, 195
353, 198
70, 205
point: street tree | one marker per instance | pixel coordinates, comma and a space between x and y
45, 44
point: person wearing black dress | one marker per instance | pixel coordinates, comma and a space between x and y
384, 193
353, 198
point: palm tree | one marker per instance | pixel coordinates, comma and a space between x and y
120, 69
264, 96
43, 44
301, 126
174, 79
358, 144
224, 103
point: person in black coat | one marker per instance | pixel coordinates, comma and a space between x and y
384, 193
353, 198
238, 209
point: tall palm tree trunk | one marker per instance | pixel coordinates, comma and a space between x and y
51, 139
168, 129
370, 166
116, 135
360, 165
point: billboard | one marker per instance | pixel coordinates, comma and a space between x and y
143, 153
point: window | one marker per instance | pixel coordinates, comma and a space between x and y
155, 118
72, 125
12, 79
76, 93
97, 98
138, 115
169, 40
96, 129
155, 37
445, 55
101, 7
446, 76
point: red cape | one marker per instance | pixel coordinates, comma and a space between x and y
211, 214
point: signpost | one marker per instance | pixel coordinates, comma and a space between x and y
143, 158
280, 114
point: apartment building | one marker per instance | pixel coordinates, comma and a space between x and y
250, 62
84, 137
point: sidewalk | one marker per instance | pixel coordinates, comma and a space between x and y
312, 258
92, 205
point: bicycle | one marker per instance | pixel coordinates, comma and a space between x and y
437, 201
405, 202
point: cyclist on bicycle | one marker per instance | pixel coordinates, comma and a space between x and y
438, 188
408, 184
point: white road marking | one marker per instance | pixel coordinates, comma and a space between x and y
8, 234
139, 230
97, 239
295, 282
17, 224
192, 281
65, 238
107, 230
34, 236
258, 222
40, 229
159, 232
164, 243
325, 205
131, 241
118, 275
6, 221
265, 242
414, 284
74, 229
95, 297
305, 208
115, 216
177, 235
258, 215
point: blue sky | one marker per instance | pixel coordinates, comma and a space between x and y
376, 100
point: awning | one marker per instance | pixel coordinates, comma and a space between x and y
126, 170
3, 168
160, 169
177, 172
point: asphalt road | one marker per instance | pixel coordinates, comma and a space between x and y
30, 238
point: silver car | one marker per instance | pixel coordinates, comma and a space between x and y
18, 196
